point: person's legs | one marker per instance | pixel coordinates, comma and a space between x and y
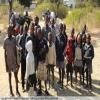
62, 78
87, 76
59, 75
52, 69
75, 74
16, 80
10, 84
67, 70
71, 75
80, 78
23, 71
48, 74
83, 75
90, 81
36, 63
71, 79
40, 90
18, 71
81, 69
45, 82
35, 82
46, 91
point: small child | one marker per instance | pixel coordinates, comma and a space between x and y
69, 54
88, 57
30, 69
51, 56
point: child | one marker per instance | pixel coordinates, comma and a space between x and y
60, 47
78, 62
51, 56
88, 57
42, 48
11, 59
30, 69
69, 53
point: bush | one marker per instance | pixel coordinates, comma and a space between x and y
80, 16
3, 9
62, 11
17, 7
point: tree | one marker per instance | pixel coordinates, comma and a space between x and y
25, 3
10, 4
10, 8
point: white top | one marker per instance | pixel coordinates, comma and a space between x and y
51, 55
78, 53
52, 15
30, 64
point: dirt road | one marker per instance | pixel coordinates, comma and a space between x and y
67, 91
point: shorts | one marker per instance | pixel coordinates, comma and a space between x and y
69, 68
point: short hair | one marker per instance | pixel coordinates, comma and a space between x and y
36, 18
10, 28
88, 36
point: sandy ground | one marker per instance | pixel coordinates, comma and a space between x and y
56, 91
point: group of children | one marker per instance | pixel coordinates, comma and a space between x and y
40, 50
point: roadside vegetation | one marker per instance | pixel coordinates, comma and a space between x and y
85, 13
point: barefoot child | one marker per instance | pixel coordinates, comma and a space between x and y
11, 59
42, 52
60, 47
88, 56
51, 57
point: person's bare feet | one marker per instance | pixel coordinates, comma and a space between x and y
11, 94
18, 93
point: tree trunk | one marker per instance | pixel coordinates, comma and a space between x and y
10, 9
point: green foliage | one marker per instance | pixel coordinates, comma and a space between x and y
80, 16
18, 7
3, 9
25, 3
61, 11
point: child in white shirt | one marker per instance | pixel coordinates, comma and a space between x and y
51, 57
30, 69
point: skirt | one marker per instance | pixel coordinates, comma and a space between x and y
42, 71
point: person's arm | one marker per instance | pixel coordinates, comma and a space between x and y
54, 56
5, 55
15, 48
92, 53
6, 60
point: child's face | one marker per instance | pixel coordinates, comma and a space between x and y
88, 40
84, 39
50, 38
9, 32
78, 39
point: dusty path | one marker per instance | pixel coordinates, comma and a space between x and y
67, 91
